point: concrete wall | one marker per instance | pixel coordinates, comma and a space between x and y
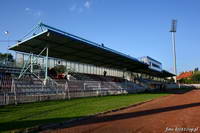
191, 85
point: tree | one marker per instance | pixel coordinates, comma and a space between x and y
8, 56
60, 69
196, 69
196, 77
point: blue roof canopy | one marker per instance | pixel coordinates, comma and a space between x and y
69, 47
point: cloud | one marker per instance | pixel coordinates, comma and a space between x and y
87, 4
36, 13
80, 7
27, 9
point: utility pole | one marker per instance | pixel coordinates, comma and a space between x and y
173, 31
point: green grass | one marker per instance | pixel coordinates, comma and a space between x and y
28, 115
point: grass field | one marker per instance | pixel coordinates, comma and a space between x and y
28, 115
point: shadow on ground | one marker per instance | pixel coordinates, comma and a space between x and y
170, 91
99, 119
20, 126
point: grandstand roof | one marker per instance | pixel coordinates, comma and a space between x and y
66, 46
156, 73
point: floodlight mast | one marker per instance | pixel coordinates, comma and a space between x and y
173, 31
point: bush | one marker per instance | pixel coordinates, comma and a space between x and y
60, 69
196, 77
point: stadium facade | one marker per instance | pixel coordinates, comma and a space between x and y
94, 69
79, 67
80, 60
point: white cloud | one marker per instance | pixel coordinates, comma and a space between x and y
79, 8
27, 9
35, 13
87, 4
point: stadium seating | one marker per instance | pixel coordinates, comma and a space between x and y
150, 84
5, 81
30, 88
94, 77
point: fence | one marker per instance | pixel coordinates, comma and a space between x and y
33, 90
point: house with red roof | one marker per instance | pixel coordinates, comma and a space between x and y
184, 75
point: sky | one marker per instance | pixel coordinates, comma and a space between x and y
135, 27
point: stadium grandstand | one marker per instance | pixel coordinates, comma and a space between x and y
52, 64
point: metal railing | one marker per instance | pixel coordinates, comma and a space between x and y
33, 90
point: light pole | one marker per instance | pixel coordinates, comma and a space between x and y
173, 31
7, 38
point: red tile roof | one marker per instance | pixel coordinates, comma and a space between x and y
184, 75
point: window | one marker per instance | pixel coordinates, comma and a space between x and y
155, 65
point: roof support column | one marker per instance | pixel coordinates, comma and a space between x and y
31, 63
125, 77
46, 65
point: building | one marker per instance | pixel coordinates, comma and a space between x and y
94, 69
153, 64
